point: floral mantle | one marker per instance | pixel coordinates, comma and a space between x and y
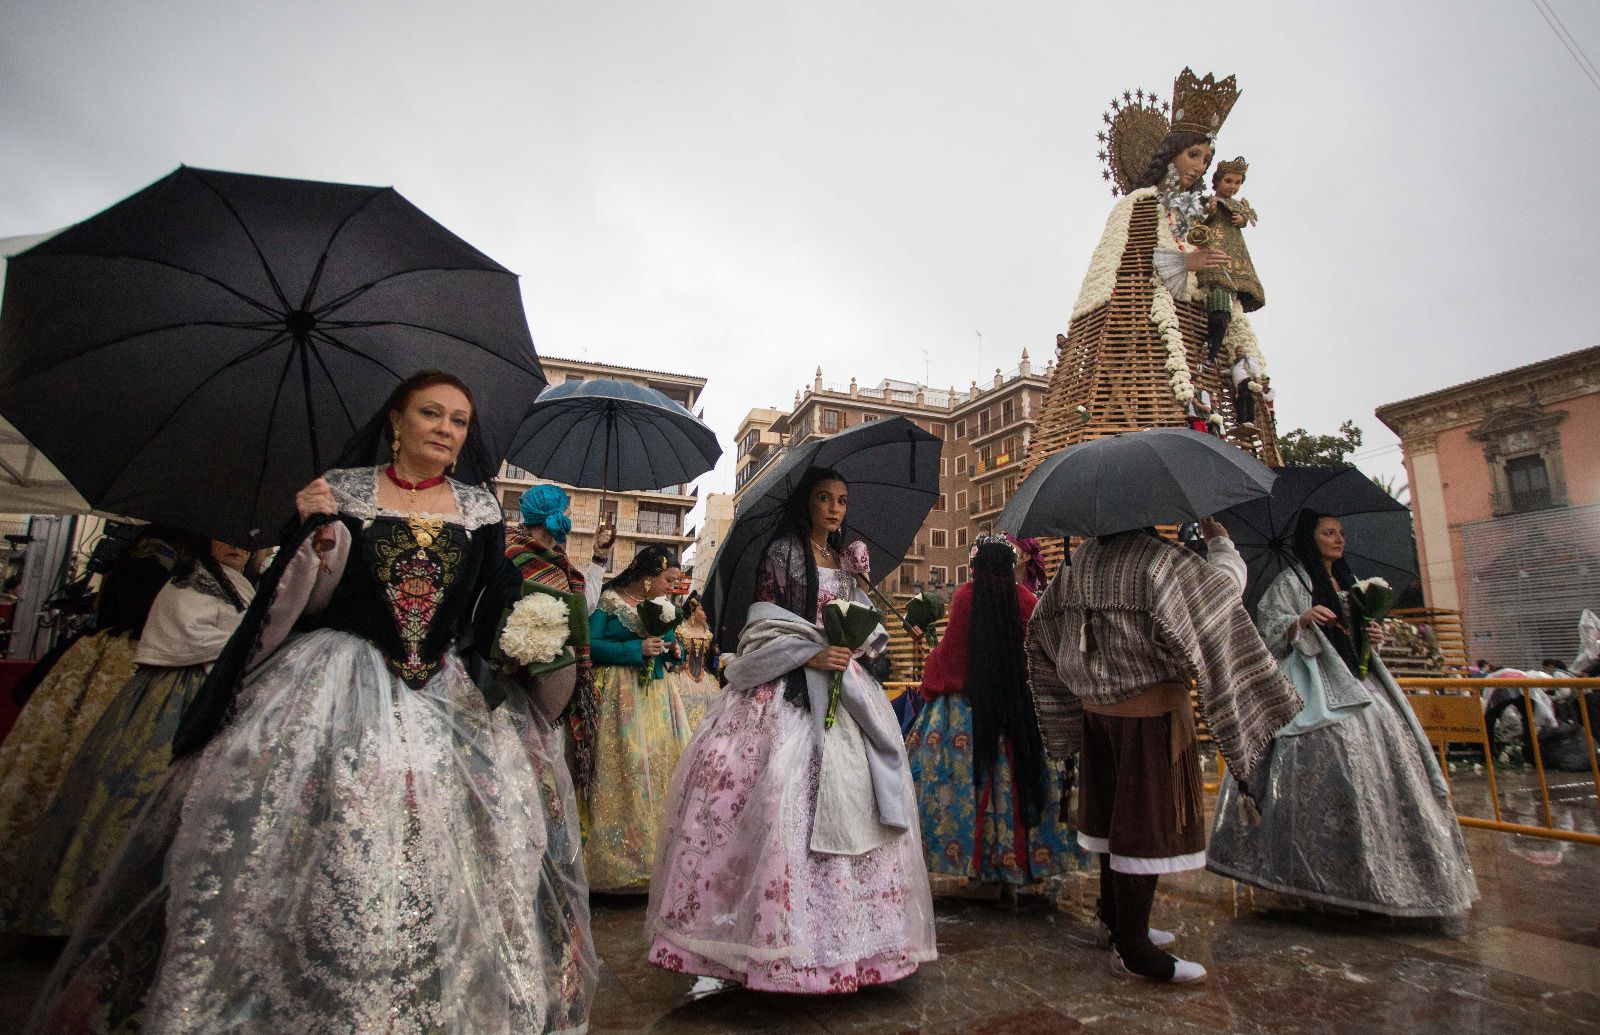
1100, 282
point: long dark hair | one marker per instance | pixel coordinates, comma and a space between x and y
649, 561
1172, 145
1325, 591
996, 685
802, 598
373, 444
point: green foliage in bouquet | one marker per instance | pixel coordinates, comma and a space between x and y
1370, 601
846, 624
535, 632
922, 611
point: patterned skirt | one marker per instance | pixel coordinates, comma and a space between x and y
974, 832
640, 731
350, 855
1356, 815
59, 717
697, 694
106, 786
737, 892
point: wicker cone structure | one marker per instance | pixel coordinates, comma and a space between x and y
1112, 363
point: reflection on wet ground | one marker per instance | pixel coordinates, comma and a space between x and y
1527, 961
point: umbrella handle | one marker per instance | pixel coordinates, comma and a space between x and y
872, 592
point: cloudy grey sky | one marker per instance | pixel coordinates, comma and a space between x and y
748, 190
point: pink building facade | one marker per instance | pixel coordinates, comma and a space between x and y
1505, 494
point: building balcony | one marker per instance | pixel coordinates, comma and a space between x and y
999, 428
1004, 463
1508, 502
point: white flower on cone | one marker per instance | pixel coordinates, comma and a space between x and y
669, 611
1366, 584
536, 630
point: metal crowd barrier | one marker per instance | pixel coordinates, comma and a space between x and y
1451, 712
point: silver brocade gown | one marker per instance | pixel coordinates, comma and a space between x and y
1354, 811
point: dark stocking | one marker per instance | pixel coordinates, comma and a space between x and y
1135, 894
1108, 894
1217, 321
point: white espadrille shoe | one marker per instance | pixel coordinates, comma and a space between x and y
1184, 972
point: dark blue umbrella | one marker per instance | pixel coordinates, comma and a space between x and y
892, 468
1377, 527
613, 436
1159, 476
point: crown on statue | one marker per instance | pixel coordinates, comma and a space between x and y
1202, 105
1238, 166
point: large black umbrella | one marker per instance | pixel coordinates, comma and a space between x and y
197, 352
1154, 477
1377, 527
892, 468
613, 436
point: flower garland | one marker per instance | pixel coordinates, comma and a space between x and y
1164, 314
1101, 278
1240, 341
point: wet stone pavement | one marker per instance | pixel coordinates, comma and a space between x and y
1528, 961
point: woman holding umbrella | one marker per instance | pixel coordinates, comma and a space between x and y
640, 725
364, 836
1355, 812
790, 859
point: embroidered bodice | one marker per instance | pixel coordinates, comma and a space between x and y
415, 560
784, 566
696, 646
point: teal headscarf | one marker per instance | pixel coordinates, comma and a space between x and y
545, 506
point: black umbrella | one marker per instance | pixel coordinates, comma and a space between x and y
1377, 527
612, 436
199, 351
892, 468
1154, 477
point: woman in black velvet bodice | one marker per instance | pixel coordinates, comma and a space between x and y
382, 834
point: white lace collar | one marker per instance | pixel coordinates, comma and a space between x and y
355, 492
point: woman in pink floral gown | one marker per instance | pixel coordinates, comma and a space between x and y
740, 890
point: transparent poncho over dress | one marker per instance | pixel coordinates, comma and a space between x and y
737, 892
365, 844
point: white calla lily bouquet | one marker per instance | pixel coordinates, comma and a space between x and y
1370, 600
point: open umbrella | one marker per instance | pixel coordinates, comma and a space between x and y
29, 482
612, 436
1154, 477
1377, 527
892, 468
199, 351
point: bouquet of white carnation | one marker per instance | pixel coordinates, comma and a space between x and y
1370, 600
536, 631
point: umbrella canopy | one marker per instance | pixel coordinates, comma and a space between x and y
199, 351
614, 436
1377, 527
1154, 477
30, 483
892, 468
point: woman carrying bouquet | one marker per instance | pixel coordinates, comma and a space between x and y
790, 859
988, 799
1355, 812
640, 725
355, 837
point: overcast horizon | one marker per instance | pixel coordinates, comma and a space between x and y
866, 189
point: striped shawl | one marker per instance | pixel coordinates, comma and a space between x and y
1199, 630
